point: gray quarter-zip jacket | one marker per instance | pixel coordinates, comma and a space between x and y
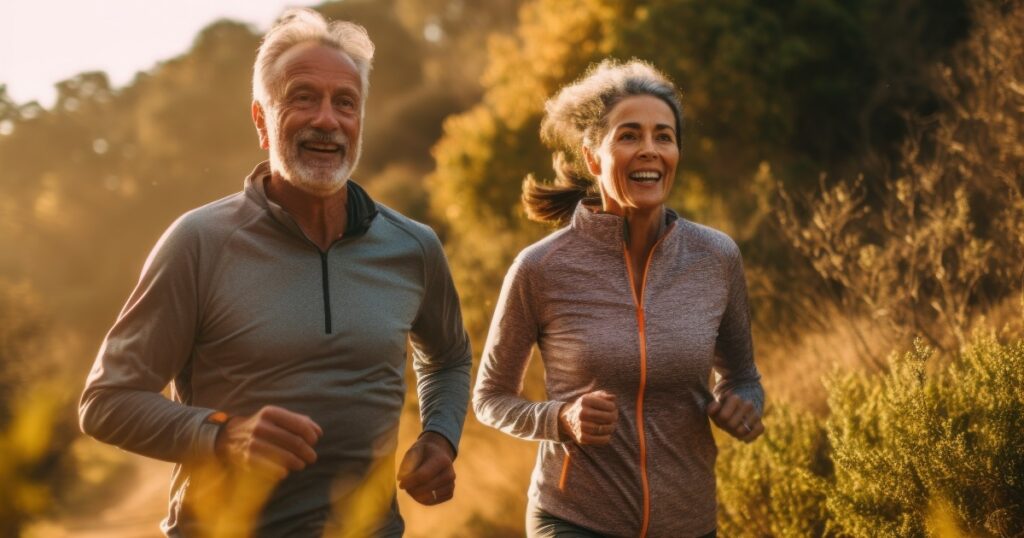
571, 294
240, 310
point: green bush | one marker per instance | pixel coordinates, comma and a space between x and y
776, 486
932, 447
909, 441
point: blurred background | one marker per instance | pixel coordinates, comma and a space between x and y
866, 155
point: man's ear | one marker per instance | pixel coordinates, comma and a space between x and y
260, 119
593, 162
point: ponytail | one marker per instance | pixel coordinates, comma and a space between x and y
555, 202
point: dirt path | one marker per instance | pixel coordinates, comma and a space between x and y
136, 514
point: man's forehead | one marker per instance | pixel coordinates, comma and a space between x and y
315, 58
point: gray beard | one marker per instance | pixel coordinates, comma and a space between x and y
320, 182
316, 181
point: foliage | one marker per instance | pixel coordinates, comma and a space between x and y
912, 439
777, 486
946, 236
35, 426
736, 63
913, 450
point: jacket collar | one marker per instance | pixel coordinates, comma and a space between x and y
606, 228
360, 208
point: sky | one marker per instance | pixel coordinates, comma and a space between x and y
45, 41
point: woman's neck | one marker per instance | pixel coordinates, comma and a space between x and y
644, 227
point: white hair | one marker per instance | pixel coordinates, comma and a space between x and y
302, 25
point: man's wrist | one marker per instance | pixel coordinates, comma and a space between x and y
219, 419
430, 436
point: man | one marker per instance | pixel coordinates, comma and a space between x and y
281, 315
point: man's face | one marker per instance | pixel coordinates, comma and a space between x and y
313, 126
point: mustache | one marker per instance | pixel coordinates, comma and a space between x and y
312, 134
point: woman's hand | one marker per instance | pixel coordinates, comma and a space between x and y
591, 419
737, 417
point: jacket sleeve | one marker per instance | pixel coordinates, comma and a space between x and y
514, 330
148, 346
442, 356
734, 358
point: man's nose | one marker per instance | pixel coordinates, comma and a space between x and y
326, 118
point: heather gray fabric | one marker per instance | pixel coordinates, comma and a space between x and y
231, 307
540, 524
570, 294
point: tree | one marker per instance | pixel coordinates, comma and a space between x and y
789, 84
943, 239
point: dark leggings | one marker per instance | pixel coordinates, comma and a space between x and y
540, 524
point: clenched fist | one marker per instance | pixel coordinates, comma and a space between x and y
426, 472
738, 417
591, 419
273, 440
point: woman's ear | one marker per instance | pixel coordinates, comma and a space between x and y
593, 162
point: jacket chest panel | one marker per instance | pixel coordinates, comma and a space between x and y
596, 333
272, 315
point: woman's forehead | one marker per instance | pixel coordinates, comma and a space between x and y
645, 110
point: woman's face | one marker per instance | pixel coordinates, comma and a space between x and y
636, 160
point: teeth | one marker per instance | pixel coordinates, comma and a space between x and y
645, 175
322, 147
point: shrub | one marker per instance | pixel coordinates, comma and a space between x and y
909, 441
944, 239
932, 447
776, 486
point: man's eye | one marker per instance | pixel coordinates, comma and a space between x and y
345, 103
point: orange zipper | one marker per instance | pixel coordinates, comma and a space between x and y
565, 471
639, 302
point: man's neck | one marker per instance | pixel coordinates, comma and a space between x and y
322, 219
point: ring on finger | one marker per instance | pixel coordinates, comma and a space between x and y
747, 426
433, 494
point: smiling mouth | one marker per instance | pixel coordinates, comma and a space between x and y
325, 148
645, 176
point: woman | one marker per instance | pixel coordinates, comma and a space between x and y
631, 307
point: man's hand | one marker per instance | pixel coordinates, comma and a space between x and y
737, 417
426, 472
273, 440
591, 419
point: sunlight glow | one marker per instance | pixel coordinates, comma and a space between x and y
42, 44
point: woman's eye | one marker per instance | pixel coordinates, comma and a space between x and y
627, 136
